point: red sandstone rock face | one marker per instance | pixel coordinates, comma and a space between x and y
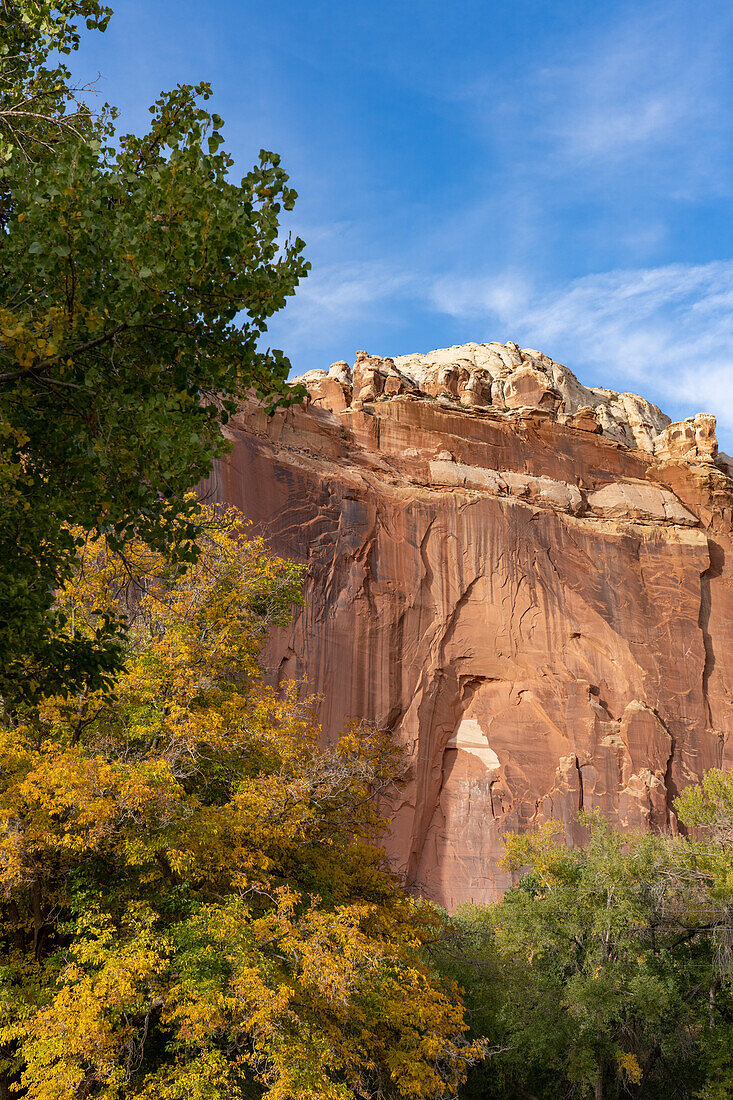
542, 614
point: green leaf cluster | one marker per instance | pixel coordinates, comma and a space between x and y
605, 972
39, 103
136, 282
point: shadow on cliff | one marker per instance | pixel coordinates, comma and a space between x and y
715, 569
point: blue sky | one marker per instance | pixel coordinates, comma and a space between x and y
555, 173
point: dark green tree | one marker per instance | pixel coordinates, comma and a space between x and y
136, 283
596, 975
708, 810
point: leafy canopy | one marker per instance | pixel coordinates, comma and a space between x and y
599, 974
195, 904
39, 104
136, 283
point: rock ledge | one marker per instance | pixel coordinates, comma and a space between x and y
510, 380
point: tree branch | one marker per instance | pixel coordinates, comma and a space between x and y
43, 365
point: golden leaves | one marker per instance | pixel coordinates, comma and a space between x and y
629, 1066
209, 877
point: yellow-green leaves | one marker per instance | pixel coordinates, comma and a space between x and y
195, 900
603, 971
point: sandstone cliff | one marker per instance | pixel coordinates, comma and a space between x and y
529, 581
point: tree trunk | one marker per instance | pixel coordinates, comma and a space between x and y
598, 1088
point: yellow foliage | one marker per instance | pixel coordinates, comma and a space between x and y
629, 1067
195, 900
543, 850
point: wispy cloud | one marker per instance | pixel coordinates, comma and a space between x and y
639, 99
667, 331
335, 298
643, 86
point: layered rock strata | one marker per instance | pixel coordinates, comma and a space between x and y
528, 581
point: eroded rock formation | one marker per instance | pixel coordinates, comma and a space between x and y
529, 581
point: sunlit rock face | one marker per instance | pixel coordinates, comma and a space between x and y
528, 581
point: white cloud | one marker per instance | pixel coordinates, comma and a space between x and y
465, 296
640, 88
335, 299
667, 331
640, 98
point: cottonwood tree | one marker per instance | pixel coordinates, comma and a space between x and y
707, 810
39, 102
136, 282
596, 976
195, 902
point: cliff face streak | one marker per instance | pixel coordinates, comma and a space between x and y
528, 581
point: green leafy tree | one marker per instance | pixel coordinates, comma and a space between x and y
707, 810
39, 103
594, 975
136, 282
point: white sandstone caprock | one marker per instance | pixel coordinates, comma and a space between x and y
505, 378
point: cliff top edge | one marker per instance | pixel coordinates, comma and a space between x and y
506, 378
